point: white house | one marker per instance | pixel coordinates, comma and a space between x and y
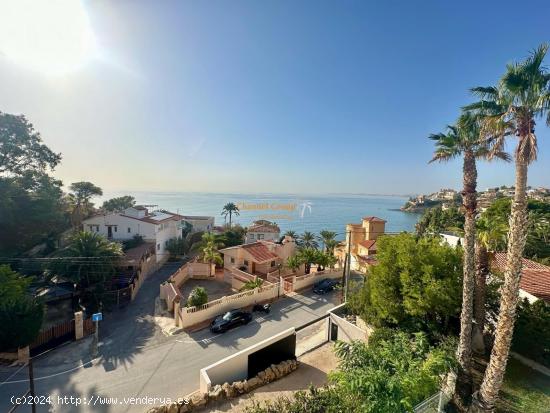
158, 227
262, 231
199, 223
451, 239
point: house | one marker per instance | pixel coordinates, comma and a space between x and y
199, 223
258, 258
361, 243
157, 227
534, 283
262, 230
452, 239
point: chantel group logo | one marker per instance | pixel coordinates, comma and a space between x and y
304, 208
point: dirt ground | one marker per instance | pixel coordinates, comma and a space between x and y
313, 370
214, 288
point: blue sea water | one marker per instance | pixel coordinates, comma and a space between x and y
291, 212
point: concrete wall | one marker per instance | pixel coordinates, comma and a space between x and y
305, 281
189, 316
235, 367
347, 331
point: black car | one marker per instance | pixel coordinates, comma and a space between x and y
324, 286
231, 319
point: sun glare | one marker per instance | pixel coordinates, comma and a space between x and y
52, 37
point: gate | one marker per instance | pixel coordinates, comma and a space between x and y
53, 337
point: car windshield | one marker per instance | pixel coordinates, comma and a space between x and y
228, 316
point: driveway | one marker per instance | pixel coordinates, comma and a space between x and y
136, 360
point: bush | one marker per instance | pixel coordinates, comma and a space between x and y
197, 297
532, 331
136, 241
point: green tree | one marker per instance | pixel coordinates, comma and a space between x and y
119, 204
416, 285
532, 332
90, 262
436, 220
230, 209
197, 297
234, 236
291, 234
294, 262
20, 314
327, 237
252, 284
510, 109
211, 255
22, 153
79, 198
307, 240
308, 256
464, 140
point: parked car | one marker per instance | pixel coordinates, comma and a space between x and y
324, 286
231, 319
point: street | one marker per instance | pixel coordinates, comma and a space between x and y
136, 360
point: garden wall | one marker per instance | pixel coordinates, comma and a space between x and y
304, 281
189, 316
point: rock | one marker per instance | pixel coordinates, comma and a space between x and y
261, 376
185, 407
216, 392
173, 408
239, 387
229, 390
199, 399
254, 382
269, 375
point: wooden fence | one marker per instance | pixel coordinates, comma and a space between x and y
58, 334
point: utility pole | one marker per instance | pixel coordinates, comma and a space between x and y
347, 262
31, 386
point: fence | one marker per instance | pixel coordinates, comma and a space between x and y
189, 316
59, 334
169, 290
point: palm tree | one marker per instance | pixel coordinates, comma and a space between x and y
291, 234
464, 139
308, 256
211, 255
218, 240
230, 209
252, 284
511, 107
326, 237
330, 245
490, 234
294, 262
307, 240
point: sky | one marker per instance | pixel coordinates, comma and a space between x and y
260, 96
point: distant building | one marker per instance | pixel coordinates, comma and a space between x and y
262, 231
199, 223
157, 227
363, 246
452, 239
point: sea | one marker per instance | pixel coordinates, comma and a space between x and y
299, 213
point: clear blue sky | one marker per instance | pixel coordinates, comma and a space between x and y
273, 96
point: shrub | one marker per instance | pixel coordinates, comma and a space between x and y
197, 297
532, 332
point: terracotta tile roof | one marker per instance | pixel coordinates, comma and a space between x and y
259, 252
263, 228
367, 259
368, 243
535, 277
373, 219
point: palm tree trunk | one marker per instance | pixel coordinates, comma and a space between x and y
229, 219
482, 269
464, 388
484, 400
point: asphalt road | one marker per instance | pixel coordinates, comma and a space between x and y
137, 360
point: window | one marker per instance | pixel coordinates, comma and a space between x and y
158, 247
165, 243
260, 236
273, 263
232, 260
246, 262
97, 228
129, 230
251, 236
116, 228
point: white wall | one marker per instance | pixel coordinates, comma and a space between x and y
137, 227
305, 281
235, 367
265, 236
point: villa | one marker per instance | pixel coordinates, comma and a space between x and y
262, 230
157, 227
258, 258
363, 243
